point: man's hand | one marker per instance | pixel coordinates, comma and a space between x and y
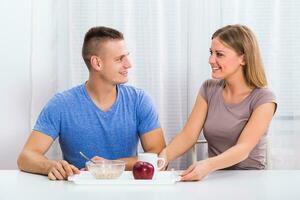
61, 170
97, 158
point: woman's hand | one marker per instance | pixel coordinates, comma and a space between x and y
163, 154
196, 171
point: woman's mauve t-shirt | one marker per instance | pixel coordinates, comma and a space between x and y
225, 122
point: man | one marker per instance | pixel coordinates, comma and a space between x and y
101, 117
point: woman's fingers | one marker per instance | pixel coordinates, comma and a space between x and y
196, 171
188, 170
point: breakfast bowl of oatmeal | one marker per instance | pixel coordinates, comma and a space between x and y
106, 169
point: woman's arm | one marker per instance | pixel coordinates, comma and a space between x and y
190, 133
249, 138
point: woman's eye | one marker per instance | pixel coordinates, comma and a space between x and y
219, 54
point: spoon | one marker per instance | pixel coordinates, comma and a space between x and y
85, 157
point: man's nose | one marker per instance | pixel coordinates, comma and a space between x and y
127, 63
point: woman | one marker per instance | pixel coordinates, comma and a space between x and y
234, 109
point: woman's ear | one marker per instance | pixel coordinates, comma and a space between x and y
243, 60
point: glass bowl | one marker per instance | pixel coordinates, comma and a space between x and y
106, 169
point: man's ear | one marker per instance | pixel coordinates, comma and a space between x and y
96, 63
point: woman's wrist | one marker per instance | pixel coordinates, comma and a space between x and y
163, 154
210, 165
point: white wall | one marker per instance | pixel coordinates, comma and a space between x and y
15, 22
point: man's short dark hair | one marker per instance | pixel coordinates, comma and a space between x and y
94, 37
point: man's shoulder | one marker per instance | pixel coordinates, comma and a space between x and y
68, 95
131, 90
74, 91
134, 95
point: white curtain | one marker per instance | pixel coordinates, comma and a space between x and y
15, 78
50, 51
169, 43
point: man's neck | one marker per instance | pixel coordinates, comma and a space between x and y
102, 94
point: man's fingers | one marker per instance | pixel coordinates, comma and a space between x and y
57, 174
59, 167
96, 158
74, 169
51, 176
61, 170
67, 168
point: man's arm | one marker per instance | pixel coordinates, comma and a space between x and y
152, 141
32, 158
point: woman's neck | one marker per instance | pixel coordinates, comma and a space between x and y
236, 90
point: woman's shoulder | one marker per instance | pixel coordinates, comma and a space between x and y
264, 93
211, 84
209, 88
261, 96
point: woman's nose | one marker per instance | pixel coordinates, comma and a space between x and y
211, 59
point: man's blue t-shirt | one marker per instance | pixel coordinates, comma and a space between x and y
82, 126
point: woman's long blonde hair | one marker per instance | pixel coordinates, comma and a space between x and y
241, 39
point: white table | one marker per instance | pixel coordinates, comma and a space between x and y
220, 185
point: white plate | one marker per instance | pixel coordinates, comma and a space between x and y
162, 178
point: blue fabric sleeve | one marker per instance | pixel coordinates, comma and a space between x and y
146, 115
48, 121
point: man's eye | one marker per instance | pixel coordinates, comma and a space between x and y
219, 54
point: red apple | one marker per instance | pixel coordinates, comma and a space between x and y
143, 170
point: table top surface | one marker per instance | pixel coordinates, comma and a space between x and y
221, 185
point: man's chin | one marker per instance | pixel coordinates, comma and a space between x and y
123, 81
